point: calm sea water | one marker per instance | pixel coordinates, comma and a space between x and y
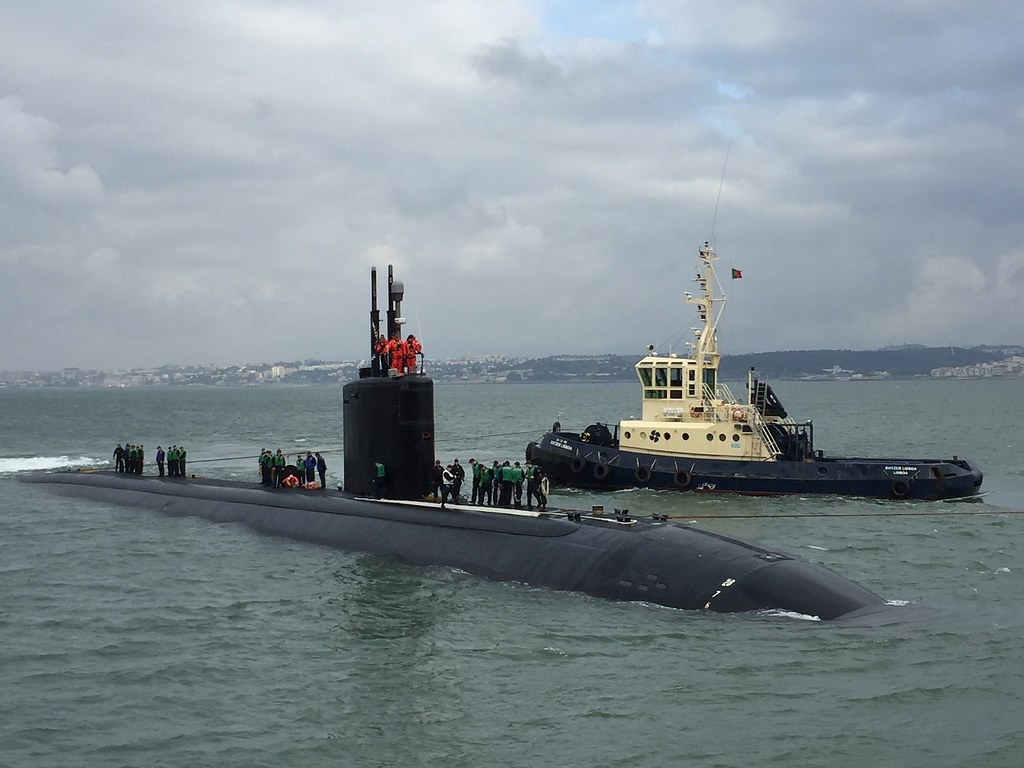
132, 639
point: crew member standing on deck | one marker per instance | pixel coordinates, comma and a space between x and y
447, 479
542, 488
379, 479
160, 456
119, 458
495, 484
506, 484
277, 472
460, 475
412, 349
321, 468
396, 353
485, 485
475, 491
531, 483
181, 460
436, 478
380, 350
517, 484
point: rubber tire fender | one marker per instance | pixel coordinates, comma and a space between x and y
682, 479
642, 475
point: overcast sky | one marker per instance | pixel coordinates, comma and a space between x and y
210, 182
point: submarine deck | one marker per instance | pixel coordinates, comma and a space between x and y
647, 560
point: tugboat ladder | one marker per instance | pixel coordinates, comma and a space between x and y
751, 414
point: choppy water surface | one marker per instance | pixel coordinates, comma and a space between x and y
129, 638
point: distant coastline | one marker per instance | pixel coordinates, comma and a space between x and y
907, 362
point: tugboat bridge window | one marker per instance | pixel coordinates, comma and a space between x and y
676, 382
649, 379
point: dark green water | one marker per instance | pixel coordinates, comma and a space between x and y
128, 638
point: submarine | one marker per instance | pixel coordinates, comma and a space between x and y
389, 422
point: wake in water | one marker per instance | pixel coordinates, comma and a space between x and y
31, 463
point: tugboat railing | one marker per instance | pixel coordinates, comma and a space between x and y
765, 434
723, 395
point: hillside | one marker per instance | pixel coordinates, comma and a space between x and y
898, 362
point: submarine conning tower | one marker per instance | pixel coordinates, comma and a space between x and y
388, 417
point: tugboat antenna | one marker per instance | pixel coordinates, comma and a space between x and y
721, 183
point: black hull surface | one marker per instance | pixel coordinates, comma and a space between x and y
569, 461
668, 564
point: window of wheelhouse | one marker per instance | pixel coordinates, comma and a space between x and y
709, 379
675, 381
649, 379
659, 391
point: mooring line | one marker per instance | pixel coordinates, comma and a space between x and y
795, 515
481, 437
253, 456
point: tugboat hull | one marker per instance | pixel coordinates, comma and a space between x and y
569, 461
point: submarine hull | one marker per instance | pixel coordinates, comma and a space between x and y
570, 461
664, 563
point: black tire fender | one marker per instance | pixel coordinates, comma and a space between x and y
900, 489
577, 464
642, 475
601, 471
682, 479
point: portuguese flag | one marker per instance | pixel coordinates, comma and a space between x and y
736, 274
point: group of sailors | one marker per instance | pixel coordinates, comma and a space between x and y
397, 355
276, 471
130, 459
497, 485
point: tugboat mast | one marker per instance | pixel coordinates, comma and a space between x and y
705, 348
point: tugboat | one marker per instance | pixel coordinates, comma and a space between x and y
694, 435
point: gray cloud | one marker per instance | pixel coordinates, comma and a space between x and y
211, 182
